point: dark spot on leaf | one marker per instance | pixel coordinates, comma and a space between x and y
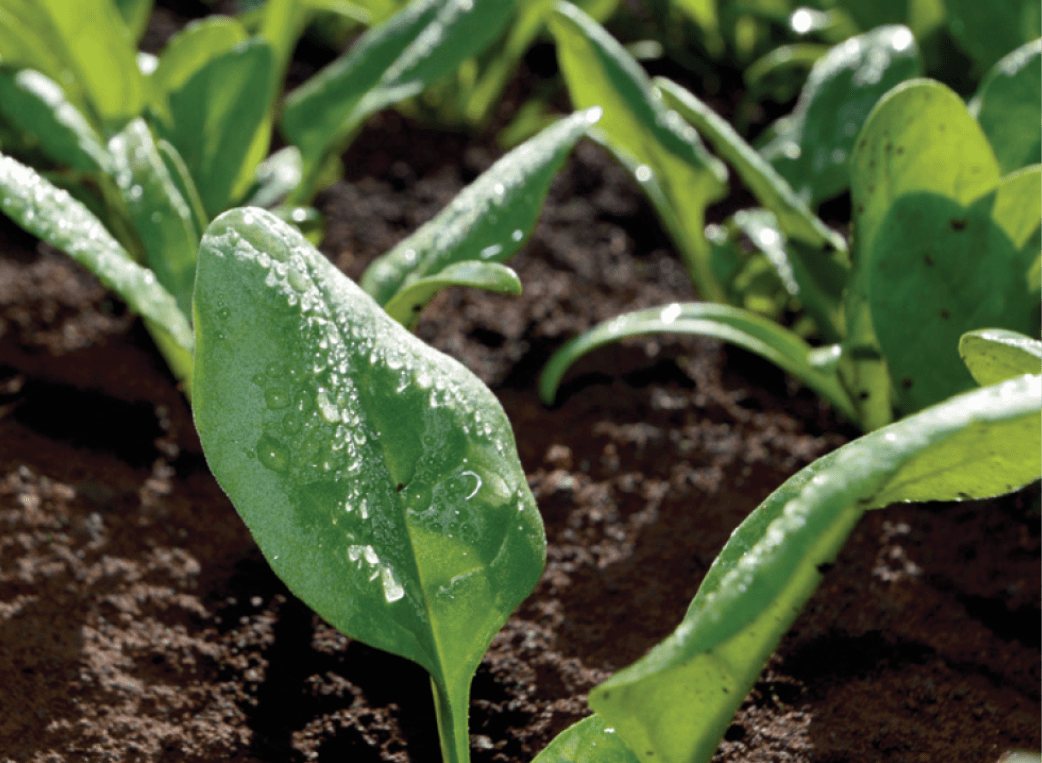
940, 128
416, 308
863, 396
401, 487
888, 147
945, 314
959, 224
900, 150
964, 496
824, 567
929, 260
606, 695
906, 382
861, 209
725, 690
864, 142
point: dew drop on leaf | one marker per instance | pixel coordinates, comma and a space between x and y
272, 454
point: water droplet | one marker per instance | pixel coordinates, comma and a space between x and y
277, 398
136, 192
491, 251
643, 173
671, 312
272, 453
224, 313
393, 590
477, 485
517, 235
157, 217
297, 280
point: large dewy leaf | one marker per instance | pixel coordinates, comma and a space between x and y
731, 324
54, 216
673, 705
378, 476
664, 153
489, 220
1007, 106
813, 144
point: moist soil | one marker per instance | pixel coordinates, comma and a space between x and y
139, 622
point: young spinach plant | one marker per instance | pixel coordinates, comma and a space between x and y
378, 476
674, 704
929, 197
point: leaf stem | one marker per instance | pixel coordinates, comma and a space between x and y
453, 708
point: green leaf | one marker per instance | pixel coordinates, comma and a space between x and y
193, 47
918, 138
50, 214
995, 355
136, 14
99, 49
157, 209
813, 144
771, 189
989, 31
393, 61
673, 705
406, 305
378, 476
182, 178
28, 39
489, 220
36, 105
216, 113
1007, 106
940, 269
731, 324
665, 154
589, 741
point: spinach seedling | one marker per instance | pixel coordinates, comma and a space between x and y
944, 243
674, 704
378, 476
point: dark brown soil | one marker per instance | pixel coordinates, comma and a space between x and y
138, 621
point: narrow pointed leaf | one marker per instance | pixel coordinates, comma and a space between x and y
215, 115
731, 324
36, 105
159, 213
590, 740
52, 215
674, 705
378, 476
1007, 106
182, 178
812, 151
406, 305
771, 189
489, 220
994, 355
392, 61
654, 141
